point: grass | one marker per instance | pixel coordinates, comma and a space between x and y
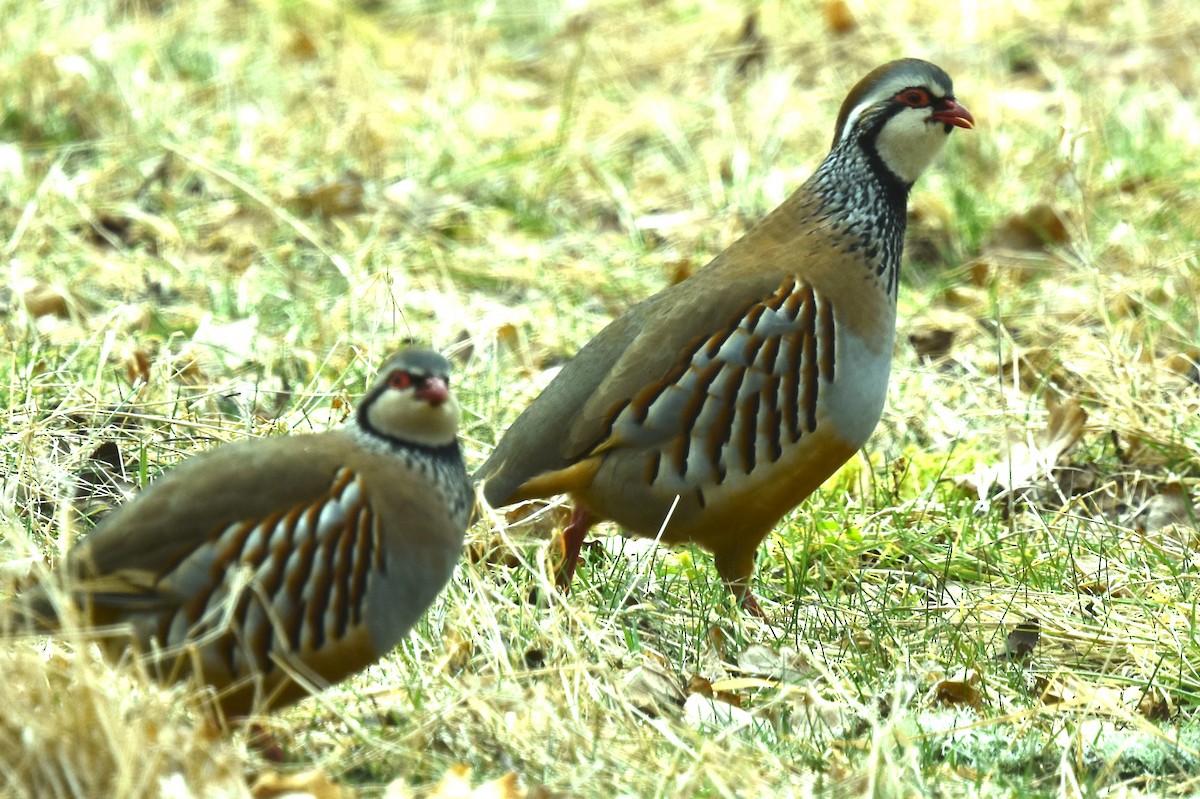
218, 218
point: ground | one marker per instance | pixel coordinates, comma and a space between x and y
218, 218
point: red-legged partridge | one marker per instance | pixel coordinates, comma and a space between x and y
711, 409
308, 555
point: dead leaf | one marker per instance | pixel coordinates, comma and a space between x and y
1020, 643
784, 665
707, 712
111, 229
838, 716
313, 783
1147, 700
341, 196
508, 335
1153, 703
718, 643
936, 330
491, 550
1034, 229
958, 689
931, 343
681, 270
1027, 461
18, 572
231, 343
136, 361
1035, 367
1186, 364
965, 297
1053, 691
302, 46
537, 518
457, 650
103, 482
446, 213
534, 657
980, 273
456, 784
752, 46
42, 299
653, 691
839, 18
1172, 505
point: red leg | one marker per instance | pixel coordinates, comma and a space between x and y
736, 566
750, 604
572, 542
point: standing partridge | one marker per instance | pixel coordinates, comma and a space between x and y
267, 566
708, 411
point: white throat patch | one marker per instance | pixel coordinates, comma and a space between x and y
909, 141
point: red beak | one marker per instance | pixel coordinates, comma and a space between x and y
954, 114
434, 391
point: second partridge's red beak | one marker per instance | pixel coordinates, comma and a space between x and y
954, 114
434, 391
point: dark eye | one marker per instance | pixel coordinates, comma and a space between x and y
400, 380
916, 98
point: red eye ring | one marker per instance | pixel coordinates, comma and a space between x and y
400, 380
914, 98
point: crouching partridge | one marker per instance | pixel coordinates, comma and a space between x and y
711, 409
267, 566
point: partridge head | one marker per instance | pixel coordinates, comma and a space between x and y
711, 409
268, 567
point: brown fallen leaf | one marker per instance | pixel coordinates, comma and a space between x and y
1172, 505
137, 362
1053, 690
456, 784
43, 299
491, 550
1034, 229
931, 343
751, 45
1096, 576
785, 665
457, 652
1186, 364
509, 335
1146, 700
653, 691
341, 196
1154, 703
1035, 367
839, 717
301, 46
681, 270
312, 783
103, 482
1020, 643
1026, 462
711, 713
961, 688
839, 18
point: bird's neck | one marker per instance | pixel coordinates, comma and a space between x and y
442, 465
864, 204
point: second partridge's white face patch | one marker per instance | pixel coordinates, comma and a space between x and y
398, 411
909, 142
912, 138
